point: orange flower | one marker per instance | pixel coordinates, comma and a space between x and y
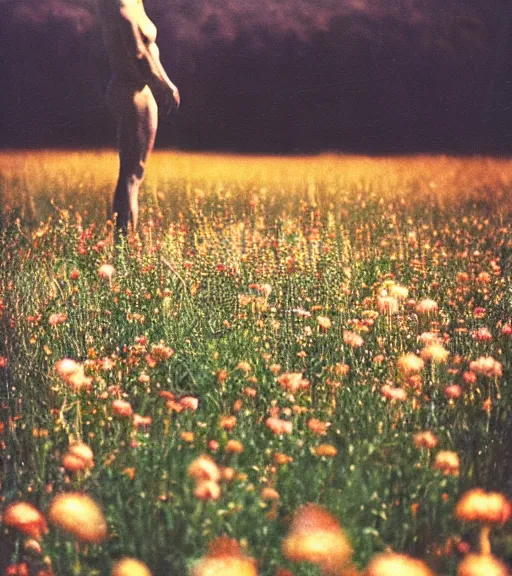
318, 427
25, 518
391, 564
189, 403
453, 391
187, 437
486, 507
244, 366
130, 567
326, 450
268, 493
481, 565
207, 490
142, 421
292, 381
352, 339
227, 473
393, 393
282, 459
204, 468
425, 440
228, 422
447, 462
122, 408
78, 515
222, 376
484, 278
78, 457
224, 559
435, 353
234, 447
316, 536
410, 364
324, 322
161, 352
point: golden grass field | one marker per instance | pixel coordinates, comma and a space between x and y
85, 179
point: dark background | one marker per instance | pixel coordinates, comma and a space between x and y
373, 76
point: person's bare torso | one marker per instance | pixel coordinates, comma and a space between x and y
114, 15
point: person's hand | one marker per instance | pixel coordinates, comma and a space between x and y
172, 97
175, 95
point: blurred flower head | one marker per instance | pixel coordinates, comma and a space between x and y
315, 536
78, 515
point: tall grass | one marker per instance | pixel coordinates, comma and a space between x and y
246, 270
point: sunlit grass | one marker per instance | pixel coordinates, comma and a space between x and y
266, 316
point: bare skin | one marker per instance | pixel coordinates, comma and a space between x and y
138, 86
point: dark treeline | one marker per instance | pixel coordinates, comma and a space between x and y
274, 75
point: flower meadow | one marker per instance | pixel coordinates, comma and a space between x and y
298, 366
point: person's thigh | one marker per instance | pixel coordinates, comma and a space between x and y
138, 125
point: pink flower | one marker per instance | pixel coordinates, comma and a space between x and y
393, 393
482, 335
486, 366
426, 306
189, 403
507, 330
279, 426
58, 318
453, 391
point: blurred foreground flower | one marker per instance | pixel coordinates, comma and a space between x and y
391, 564
481, 565
315, 536
78, 515
25, 518
130, 567
487, 508
224, 558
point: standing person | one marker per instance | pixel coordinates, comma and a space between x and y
138, 83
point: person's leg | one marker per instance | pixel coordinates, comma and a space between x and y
137, 125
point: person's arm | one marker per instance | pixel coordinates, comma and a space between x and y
145, 54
